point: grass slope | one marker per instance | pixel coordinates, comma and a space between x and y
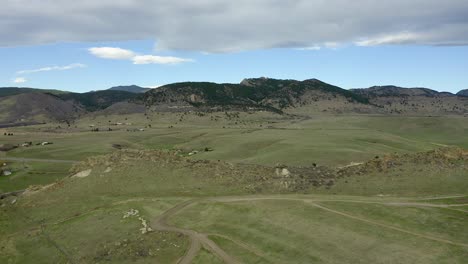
98, 100
8, 91
328, 140
377, 214
296, 232
81, 219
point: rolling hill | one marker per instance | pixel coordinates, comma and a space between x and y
136, 206
7, 91
98, 100
463, 93
130, 88
391, 90
251, 94
398, 100
305, 98
36, 107
28, 105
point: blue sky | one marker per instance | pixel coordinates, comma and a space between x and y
441, 68
91, 45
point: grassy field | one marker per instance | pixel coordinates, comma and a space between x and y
408, 180
328, 140
409, 213
281, 231
93, 236
32, 173
251, 138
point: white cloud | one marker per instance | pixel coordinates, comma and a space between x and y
227, 26
315, 47
112, 53
123, 54
53, 68
398, 38
151, 59
332, 45
19, 80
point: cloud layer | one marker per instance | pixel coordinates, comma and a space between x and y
53, 68
224, 26
112, 53
151, 59
124, 54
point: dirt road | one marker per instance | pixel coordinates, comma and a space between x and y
199, 240
388, 226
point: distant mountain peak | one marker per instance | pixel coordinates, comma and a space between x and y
251, 93
313, 80
463, 93
130, 88
393, 90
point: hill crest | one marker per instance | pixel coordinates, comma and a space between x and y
255, 93
463, 93
130, 88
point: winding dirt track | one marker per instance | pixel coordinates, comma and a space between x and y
245, 246
388, 226
199, 240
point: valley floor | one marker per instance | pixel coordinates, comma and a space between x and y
212, 189
326, 204
254, 229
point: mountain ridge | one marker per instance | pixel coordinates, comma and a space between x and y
261, 93
98, 100
36, 107
7, 91
310, 96
11, 90
463, 93
399, 100
393, 90
130, 88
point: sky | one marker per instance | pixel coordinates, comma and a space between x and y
93, 45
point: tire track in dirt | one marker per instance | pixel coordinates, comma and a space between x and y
442, 197
41, 226
197, 239
387, 226
314, 202
445, 206
245, 246
415, 204
56, 245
